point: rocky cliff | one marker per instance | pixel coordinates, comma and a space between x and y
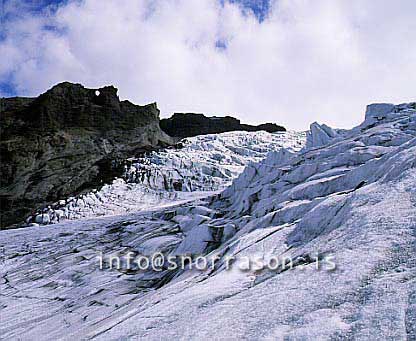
189, 124
67, 140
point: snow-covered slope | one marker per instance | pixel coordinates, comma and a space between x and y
203, 165
348, 199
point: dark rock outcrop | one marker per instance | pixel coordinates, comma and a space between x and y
65, 141
189, 124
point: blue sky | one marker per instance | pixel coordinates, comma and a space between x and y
286, 61
258, 7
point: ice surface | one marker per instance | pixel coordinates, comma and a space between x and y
206, 163
349, 199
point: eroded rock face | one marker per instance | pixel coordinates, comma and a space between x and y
189, 124
67, 140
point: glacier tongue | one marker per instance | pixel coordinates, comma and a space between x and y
201, 166
348, 199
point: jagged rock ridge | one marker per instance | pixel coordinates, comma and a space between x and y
67, 140
189, 124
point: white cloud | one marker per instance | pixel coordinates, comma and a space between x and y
309, 60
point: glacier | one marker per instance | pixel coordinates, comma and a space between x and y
348, 196
202, 164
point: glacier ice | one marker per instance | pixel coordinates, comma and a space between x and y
348, 196
206, 163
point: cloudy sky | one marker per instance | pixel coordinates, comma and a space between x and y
286, 61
